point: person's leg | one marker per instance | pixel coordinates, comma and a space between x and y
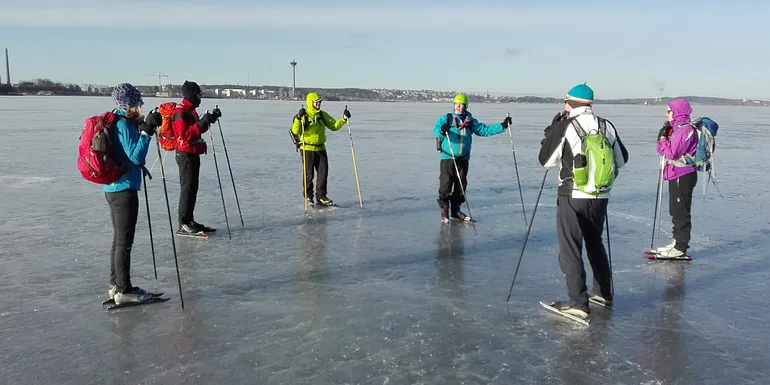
322, 165
185, 187
592, 221
445, 182
570, 254
195, 173
458, 197
112, 289
309, 160
681, 212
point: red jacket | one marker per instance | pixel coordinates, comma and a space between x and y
184, 121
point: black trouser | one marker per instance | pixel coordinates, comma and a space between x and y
124, 210
577, 220
189, 173
318, 161
449, 191
679, 203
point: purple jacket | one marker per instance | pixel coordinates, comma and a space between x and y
683, 140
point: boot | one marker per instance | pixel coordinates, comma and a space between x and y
324, 201
131, 297
666, 248
456, 213
598, 298
187, 228
203, 228
445, 214
564, 307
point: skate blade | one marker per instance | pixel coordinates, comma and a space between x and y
653, 256
153, 300
570, 316
200, 235
602, 304
112, 301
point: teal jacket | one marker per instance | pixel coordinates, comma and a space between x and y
461, 139
130, 149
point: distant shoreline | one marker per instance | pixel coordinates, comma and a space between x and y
481, 100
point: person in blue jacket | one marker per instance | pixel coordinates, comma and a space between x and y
131, 141
454, 135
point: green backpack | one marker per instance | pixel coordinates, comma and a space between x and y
595, 170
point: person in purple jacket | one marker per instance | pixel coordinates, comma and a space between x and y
676, 138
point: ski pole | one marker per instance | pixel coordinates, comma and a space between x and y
460, 182
145, 174
355, 169
227, 157
526, 236
170, 224
658, 206
609, 254
518, 180
304, 164
216, 165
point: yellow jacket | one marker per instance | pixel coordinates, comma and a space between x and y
311, 128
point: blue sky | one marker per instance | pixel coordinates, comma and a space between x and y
621, 48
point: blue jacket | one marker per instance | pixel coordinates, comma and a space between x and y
461, 139
130, 148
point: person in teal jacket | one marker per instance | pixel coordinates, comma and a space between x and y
454, 136
131, 141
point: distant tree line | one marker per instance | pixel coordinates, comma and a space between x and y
56, 88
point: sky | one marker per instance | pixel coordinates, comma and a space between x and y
543, 48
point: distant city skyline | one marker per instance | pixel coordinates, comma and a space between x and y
627, 50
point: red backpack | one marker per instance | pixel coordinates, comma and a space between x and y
95, 156
166, 136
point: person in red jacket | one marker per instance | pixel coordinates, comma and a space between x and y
189, 128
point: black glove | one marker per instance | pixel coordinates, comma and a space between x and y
149, 129
205, 122
153, 119
216, 113
447, 124
507, 121
208, 119
558, 117
346, 113
301, 112
663, 133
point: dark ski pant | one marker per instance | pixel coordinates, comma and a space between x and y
189, 174
316, 161
679, 204
449, 191
577, 220
124, 210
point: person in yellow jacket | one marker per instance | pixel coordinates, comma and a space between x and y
309, 135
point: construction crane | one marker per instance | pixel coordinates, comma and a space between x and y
161, 92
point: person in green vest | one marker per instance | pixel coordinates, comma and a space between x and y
309, 135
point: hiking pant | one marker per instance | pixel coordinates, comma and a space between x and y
577, 220
189, 173
449, 191
318, 161
679, 203
124, 210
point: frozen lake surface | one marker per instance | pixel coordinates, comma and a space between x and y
380, 295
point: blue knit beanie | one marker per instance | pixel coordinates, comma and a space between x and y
581, 93
125, 96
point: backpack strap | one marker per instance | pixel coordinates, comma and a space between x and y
440, 141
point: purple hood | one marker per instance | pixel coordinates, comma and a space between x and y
683, 140
681, 110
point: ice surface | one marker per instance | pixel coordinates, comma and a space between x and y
380, 295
